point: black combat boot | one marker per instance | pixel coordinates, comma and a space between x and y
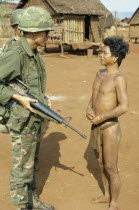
38, 204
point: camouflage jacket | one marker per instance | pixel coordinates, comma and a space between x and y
12, 65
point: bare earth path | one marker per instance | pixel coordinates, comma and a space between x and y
71, 80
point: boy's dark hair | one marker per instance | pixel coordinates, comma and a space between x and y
118, 47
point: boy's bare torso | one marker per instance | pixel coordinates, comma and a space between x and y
104, 98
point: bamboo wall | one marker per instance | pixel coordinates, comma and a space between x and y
73, 29
134, 31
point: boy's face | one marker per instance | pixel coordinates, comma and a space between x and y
106, 57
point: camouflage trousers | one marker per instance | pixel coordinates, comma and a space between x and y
25, 155
24, 146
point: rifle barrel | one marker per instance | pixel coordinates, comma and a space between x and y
74, 129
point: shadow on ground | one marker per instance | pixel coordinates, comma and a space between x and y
49, 157
93, 166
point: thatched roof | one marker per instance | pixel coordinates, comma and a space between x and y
135, 18
106, 21
77, 7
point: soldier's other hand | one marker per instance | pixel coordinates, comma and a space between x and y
49, 103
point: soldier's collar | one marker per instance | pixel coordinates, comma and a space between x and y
26, 46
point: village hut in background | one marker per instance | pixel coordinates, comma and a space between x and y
5, 14
134, 26
75, 21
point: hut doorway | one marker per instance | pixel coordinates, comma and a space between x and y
87, 27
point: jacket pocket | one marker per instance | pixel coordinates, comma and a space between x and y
18, 117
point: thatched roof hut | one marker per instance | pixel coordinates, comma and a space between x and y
135, 18
78, 7
134, 26
76, 20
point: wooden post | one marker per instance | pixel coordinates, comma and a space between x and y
62, 49
89, 53
116, 22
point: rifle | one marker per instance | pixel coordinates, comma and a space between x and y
41, 107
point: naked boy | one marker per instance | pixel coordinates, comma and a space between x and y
109, 101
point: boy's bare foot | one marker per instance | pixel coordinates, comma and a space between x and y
101, 199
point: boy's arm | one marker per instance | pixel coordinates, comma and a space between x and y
90, 114
122, 100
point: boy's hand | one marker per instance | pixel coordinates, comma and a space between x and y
98, 119
89, 113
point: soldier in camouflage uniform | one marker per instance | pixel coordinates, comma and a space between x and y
14, 21
22, 61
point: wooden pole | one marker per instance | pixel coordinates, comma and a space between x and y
62, 49
89, 53
116, 21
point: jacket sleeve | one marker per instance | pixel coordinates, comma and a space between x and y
10, 66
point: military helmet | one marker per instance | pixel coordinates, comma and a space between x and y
14, 20
35, 19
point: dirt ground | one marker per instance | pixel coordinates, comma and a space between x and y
69, 87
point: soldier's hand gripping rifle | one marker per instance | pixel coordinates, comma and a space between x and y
39, 106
